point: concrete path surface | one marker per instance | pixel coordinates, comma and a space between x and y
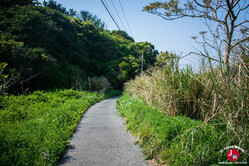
100, 140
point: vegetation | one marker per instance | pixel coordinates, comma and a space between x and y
181, 116
35, 129
112, 93
185, 117
48, 47
181, 94
174, 140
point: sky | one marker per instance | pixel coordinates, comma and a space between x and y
173, 36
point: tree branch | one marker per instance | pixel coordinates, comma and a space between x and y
241, 41
33, 76
241, 23
199, 4
201, 54
230, 9
242, 9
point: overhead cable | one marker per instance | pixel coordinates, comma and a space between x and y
113, 19
111, 12
125, 18
118, 15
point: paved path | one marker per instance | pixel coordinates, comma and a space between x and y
100, 140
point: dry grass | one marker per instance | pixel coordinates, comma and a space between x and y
209, 95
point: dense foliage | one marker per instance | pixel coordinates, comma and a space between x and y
49, 47
35, 129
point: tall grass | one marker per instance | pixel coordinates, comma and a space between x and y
177, 140
210, 95
35, 129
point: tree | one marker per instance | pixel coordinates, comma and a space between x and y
226, 13
6, 80
9, 3
87, 16
77, 48
149, 52
57, 6
122, 34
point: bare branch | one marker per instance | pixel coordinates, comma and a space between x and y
241, 41
201, 54
241, 23
242, 9
7, 83
199, 4
235, 4
33, 76
231, 8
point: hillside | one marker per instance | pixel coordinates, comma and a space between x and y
47, 47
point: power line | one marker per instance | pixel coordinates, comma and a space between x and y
126, 18
118, 15
110, 14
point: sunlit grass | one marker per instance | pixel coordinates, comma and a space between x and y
174, 140
35, 129
213, 96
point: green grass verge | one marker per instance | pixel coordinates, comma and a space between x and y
35, 129
174, 140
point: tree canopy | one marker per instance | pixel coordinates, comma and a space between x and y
47, 48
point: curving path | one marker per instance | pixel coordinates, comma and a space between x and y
100, 140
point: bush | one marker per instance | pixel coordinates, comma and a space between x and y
35, 129
99, 84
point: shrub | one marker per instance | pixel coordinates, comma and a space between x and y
99, 84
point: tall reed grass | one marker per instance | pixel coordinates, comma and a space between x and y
177, 140
208, 95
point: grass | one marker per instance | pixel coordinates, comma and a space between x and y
35, 129
205, 95
177, 140
215, 98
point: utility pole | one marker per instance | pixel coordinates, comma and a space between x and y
142, 63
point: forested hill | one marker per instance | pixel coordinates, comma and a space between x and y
46, 47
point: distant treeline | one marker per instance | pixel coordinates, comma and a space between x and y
44, 46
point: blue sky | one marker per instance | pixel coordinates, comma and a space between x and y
172, 36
